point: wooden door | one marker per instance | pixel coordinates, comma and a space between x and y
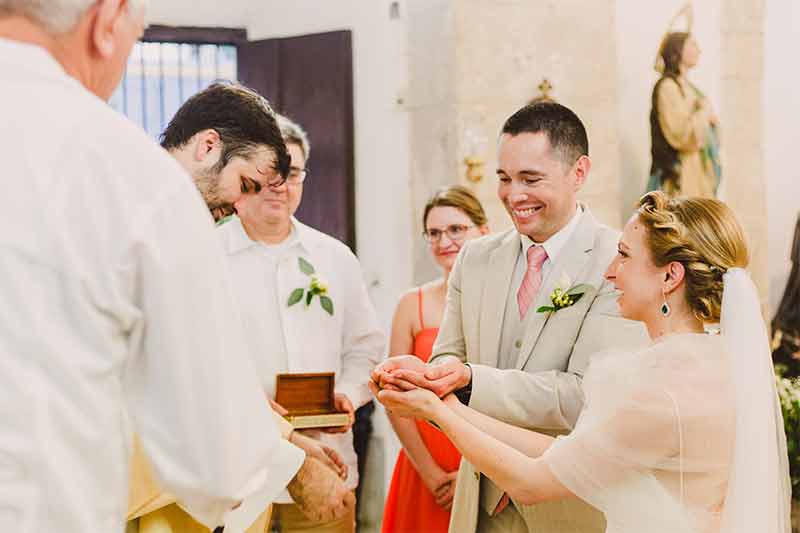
310, 79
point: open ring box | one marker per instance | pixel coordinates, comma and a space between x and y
309, 400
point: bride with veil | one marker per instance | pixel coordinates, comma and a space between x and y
684, 436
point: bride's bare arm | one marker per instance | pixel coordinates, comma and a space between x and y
526, 479
530, 443
489, 445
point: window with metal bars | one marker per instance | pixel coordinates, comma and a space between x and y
162, 75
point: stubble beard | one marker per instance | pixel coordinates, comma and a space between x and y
207, 182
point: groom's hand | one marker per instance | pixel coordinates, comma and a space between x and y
384, 377
442, 379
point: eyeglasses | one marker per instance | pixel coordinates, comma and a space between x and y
249, 185
454, 232
296, 175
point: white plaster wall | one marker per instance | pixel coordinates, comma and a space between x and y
199, 13
639, 29
781, 122
432, 112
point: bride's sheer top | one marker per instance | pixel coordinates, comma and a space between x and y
653, 446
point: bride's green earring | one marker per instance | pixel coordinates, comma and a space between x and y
665, 308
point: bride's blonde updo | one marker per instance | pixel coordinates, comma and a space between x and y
702, 234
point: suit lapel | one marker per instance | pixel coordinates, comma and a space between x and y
571, 260
497, 281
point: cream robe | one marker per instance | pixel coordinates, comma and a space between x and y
116, 317
152, 510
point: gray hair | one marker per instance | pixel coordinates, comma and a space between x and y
293, 134
57, 17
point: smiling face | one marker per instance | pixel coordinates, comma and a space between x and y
536, 187
274, 205
442, 218
633, 273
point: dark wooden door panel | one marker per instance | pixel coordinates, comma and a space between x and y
310, 79
259, 68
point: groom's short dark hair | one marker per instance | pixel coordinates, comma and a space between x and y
563, 128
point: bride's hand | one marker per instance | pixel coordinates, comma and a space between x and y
416, 403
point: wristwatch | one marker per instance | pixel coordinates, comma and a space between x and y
465, 393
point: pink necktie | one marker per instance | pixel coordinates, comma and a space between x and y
525, 296
532, 280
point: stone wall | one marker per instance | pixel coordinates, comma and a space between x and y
430, 102
484, 61
742, 34
474, 62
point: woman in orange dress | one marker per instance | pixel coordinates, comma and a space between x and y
423, 483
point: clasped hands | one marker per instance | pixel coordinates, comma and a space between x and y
409, 387
318, 488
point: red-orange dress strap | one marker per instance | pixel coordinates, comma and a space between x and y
419, 306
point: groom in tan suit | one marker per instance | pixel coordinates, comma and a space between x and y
494, 349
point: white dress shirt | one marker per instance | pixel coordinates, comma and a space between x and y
115, 316
306, 338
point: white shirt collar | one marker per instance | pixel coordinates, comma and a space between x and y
239, 240
555, 243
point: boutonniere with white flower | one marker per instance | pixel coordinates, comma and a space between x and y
316, 287
564, 295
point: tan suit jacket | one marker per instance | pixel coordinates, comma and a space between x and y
543, 391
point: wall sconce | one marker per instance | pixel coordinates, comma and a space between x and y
475, 146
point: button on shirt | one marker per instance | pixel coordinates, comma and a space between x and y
306, 338
513, 327
115, 311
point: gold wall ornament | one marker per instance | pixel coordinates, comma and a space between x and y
475, 148
474, 168
545, 88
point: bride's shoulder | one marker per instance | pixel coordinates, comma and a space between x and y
669, 358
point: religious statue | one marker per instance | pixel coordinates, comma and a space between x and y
683, 124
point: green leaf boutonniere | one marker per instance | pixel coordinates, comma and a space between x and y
316, 287
564, 295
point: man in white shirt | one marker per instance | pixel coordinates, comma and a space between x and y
111, 321
227, 138
331, 328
